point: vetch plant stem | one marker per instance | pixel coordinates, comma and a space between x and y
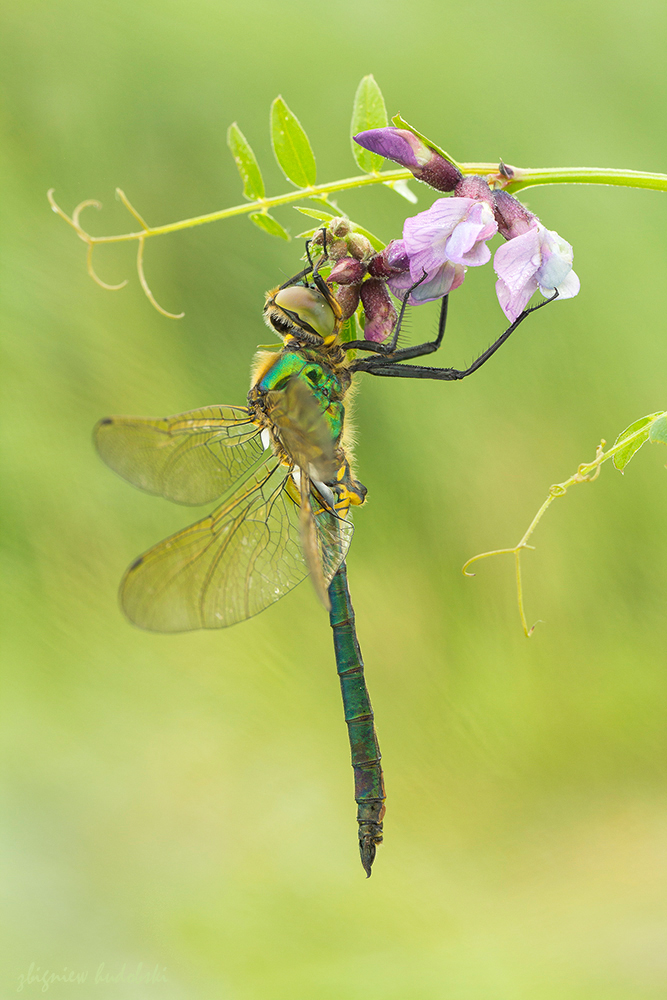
504, 176
588, 472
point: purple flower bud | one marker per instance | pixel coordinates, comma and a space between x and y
393, 260
347, 298
348, 271
512, 217
380, 313
402, 146
396, 144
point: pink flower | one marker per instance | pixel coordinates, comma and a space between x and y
539, 258
440, 243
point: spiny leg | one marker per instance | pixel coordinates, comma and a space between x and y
389, 367
390, 346
311, 269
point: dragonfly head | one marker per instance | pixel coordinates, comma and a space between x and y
302, 315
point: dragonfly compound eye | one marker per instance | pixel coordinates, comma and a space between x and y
307, 308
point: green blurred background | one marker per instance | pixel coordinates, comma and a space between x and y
186, 801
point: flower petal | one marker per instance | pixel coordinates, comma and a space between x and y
466, 244
429, 231
395, 144
437, 284
567, 289
517, 260
557, 256
514, 301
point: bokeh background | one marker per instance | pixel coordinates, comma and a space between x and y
185, 802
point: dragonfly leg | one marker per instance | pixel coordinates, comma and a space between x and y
368, 780
388, 366
311, 269
390, 346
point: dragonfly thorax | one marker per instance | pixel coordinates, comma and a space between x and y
299, 399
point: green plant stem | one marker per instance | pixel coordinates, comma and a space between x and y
531, 177
518, 179
586, 473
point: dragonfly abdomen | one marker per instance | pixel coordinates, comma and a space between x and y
365, 751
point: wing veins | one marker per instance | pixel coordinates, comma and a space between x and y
214, 520
231, 535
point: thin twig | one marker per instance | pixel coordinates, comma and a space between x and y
95, 277
144, 284
587, 472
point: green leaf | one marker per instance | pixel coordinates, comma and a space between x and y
639, 431
291, 147
401, 123
315, 214
368, 112
348, 330
253, 182
658, 432
269, 225
307, 234
401, 187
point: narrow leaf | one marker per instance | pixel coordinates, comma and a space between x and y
291, 147
315, 214
401, 187
639, 432
269, 225
253, 182
401, 123
348, 330
658, 432
368, 112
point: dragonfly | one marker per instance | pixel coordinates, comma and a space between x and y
281, 474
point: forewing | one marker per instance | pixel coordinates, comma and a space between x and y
334, 534
310, 541
302, 428
191, 458
325, 535
230, 565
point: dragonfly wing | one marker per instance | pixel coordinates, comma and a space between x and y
310, 540
191, 458
232, 564
325, 535
334, 534
301, 426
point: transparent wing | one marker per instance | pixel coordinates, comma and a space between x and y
191, 458
301, 426
234, 563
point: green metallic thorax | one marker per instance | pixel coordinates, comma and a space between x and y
308, 366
